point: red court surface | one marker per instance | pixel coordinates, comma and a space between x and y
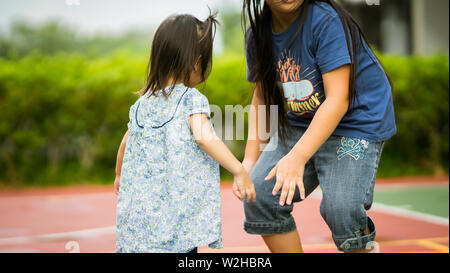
82, 219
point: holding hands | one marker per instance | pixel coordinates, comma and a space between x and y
243, 186
213, 146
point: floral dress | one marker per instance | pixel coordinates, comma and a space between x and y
169, 199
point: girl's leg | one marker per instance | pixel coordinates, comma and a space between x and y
284, 243
265, 216
346, 170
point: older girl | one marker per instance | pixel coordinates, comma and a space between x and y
312, 56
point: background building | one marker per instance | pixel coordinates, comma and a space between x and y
404, 26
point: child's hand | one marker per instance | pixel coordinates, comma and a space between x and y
243, 186
116, 185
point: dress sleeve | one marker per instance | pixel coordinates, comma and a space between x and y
196, 103
331, 45
131, 116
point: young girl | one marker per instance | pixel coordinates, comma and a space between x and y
312, 56
169, 198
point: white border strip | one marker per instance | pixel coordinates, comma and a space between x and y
398, 211
69, 236
410, 214
387, 186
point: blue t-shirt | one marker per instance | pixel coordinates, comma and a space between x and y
320, 48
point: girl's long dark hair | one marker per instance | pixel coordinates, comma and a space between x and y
179, 43
260, 19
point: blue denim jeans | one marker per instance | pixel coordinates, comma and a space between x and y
345, 168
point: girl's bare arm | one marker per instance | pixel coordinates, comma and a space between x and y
119, 161
254, 141
214, 147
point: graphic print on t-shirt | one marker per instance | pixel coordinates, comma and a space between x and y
302, 95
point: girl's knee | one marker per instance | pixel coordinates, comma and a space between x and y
341, 211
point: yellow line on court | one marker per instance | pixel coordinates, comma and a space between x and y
431, 243
420, 252
439, 239
412, 241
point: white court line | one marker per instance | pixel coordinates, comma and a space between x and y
61, 196
51, 237
89, 233
94, 232
388, 186
398, 211
19, 251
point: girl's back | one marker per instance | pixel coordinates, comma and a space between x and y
169, 197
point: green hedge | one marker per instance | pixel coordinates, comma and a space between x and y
421, 99
63, 116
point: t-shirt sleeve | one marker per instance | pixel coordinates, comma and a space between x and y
331, 45
196, 103
250, 56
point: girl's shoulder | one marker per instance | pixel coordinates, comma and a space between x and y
195, 102
157, 110
321, 11
193, 95
322, 15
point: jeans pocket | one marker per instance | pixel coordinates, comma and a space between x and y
352, 148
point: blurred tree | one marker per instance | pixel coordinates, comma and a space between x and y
54, 37
233, 34
65, 97
49, 38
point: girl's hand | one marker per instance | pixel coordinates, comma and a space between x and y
116, 185
243, 186
289, 174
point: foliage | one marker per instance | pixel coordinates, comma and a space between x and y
421, 99
65, 97
55, 37
63, 116
65, 113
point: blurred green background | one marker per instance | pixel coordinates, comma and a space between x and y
65, 97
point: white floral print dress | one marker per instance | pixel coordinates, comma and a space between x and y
169, 198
